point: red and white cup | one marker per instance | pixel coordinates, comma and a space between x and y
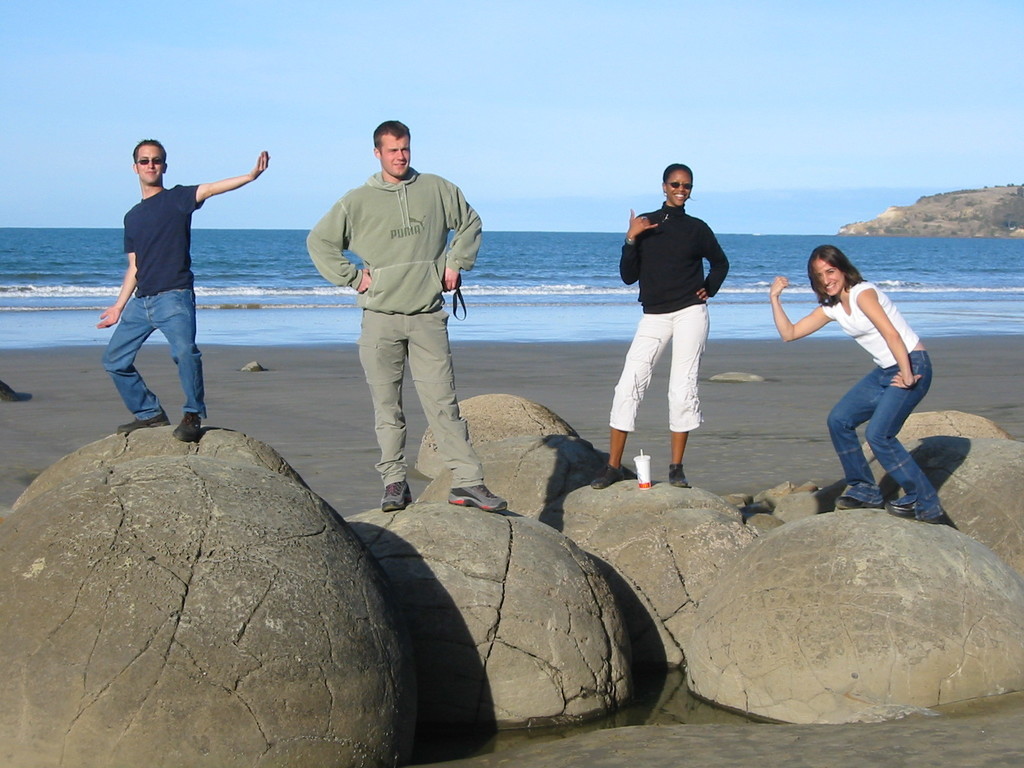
643, 470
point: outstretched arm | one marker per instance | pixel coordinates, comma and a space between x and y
112, 314
204, 191
789, 331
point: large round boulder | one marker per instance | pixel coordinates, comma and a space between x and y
855, 616
981, 485
224, 444
491, 418
512, 624
174, 611
627, 495
533, 473
950, 424
661, 549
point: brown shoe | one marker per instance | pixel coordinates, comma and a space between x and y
190, 429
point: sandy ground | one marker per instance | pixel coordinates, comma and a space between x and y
313, 407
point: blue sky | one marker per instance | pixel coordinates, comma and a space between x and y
797, 117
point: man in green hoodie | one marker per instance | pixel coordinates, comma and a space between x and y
398, 224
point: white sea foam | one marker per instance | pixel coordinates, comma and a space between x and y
526, 285
8, 292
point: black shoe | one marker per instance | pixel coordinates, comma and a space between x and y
396, 496
190, 429
676, 476
608, 476
941, 519
906, 510
477, 496
848, 502
160, 420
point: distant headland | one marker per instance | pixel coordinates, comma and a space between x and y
988, 212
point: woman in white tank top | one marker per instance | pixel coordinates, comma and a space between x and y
884, 398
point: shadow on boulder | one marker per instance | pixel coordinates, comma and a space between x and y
981, 486
533, 473
513, 625
454, 692
491, 418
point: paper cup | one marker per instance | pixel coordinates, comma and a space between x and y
643, 470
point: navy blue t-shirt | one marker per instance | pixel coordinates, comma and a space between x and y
159, 232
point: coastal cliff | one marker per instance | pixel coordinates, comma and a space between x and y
988, 212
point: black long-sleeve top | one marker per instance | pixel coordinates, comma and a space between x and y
669, 261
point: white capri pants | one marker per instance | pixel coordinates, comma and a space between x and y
687, 329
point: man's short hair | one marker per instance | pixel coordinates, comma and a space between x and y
390, 128
148, 143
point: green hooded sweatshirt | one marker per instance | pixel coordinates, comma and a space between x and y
400, 231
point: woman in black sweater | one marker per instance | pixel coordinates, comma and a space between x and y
665, 251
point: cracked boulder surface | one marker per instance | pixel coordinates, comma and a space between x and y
981, 486
185, 611
491, 418
512, 623
858, 616
533, 473
224, 444
661, 548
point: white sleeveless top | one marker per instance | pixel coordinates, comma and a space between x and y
863, 331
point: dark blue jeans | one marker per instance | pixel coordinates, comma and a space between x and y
174, 314
887, 407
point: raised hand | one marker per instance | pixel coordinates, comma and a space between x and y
779, 284
637, 225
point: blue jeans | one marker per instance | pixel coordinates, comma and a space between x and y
887, 407
173, 313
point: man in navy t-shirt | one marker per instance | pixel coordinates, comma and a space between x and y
157, 239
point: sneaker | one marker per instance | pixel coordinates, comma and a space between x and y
396, 496
160, 420
849, 502
190, 429
906, 510
607, 477
676, 476
477, 496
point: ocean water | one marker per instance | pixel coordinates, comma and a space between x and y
259, 286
